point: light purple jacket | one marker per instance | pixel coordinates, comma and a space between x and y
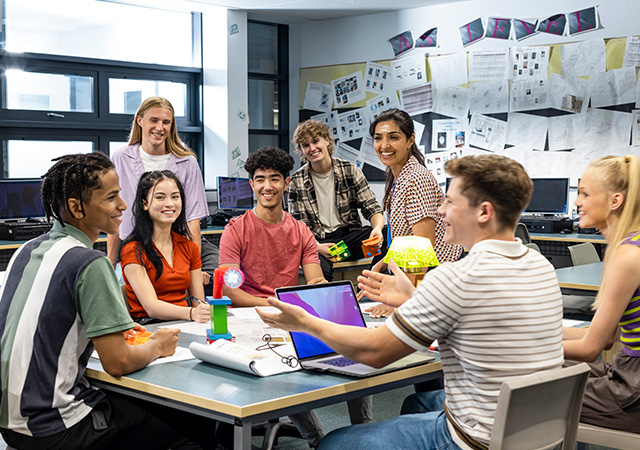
129, 167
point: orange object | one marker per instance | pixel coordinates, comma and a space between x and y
134, 338
368, 247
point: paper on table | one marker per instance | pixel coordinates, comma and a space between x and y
571, 323
181, 354
233, 356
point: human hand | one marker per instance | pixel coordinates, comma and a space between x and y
137, 328
166, 339
377, 233
390, 290
201, 313
206, 278
379, 267
323, 249
380, 310
290, 317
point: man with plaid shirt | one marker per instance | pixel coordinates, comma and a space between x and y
326, 194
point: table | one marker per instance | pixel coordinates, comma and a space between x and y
242, 399
586, 277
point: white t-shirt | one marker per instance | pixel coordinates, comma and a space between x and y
153, 162
325, 186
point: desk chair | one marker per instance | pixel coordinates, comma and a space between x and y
534, 246
584, 253
540, 411
522, 232
623, 440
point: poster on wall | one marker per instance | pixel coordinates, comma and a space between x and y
348, 90
377, 78
318, 97
487, 133
401, 43
472, 32
353, 124
382, 103
583, 20
409, 71
529, 63
448, 134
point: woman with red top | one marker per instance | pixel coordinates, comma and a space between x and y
161, 265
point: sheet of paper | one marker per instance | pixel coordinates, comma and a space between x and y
418, 130
607, 129
448, 70
635, 131
452, 101
369, 154
348, 153
448, 134
181, 354
583, 58
529, 63
488, 65
632, 52
409, 71
527, 131
526, 95
568, 94
489, 97
417, 100
382, 103
330, 120
348, 90
566, 132
377, 78
318, 97
353, 124
613, 87
487, 133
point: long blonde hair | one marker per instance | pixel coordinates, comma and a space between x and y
173, 143
619, 174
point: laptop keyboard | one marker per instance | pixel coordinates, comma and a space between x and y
340, 362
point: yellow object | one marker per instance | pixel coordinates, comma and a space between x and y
412, 253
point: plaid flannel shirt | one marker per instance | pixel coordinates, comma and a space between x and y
352, 194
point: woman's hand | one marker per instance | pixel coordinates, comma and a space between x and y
201, 313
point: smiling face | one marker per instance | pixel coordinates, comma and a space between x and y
164, 203
592, 202
316, 150
459, 216
392, 145
103, 212
269, 186
155, 126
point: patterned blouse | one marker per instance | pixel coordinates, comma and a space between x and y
416, 195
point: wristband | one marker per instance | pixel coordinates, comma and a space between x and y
190, 312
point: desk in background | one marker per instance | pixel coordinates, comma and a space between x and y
555, 246
242, 399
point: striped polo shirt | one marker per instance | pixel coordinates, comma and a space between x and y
497, 316
58, 293
630, 322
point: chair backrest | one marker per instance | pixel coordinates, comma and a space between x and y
584, 253
540, 411
534, 246
523, 233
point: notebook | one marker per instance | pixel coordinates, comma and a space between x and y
337, 303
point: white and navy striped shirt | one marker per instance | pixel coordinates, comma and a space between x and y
497, 315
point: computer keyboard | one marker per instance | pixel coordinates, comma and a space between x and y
340, 362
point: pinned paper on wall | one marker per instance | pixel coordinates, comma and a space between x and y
348, 90
635, 130
568, 94
452, 101
527, 131
583, 58
330, 120
377, 78
410, 71
427, 39
348, 153
498, 28
526, 95
487, 133
606, 129
553, 25
566, 132
489, 97
353, 124
382, 103
448, 70
401, 43
613, 87
632, 52
368, 153
529, 63
488, 65
472, 32
583, 21
318, 97
417, 100
524, 29
448, 134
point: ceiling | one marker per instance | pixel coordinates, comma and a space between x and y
293, 11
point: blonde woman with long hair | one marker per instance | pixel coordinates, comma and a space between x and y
154, 144
609, 199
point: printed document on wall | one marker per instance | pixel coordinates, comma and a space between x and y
318, 97
632, 52
527, 131
448, 70
528, 94
382, 103
377, 78
488, 65
566, 132
607, 129
348, 90
487, 133
368, 153
448, 135
417, 100
583, 58
613, 87
529, 63
452, 101
488, 97
353, 124
330, 120
568, 94
635, 131
410, 71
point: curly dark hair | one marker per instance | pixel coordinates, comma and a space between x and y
72, 176
269, 158
143, 229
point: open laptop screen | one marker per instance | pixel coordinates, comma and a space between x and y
335, 302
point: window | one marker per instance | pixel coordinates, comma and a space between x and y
52, 106
268, 85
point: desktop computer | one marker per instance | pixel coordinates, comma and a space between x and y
547, 224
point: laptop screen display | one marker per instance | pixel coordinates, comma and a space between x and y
335, 302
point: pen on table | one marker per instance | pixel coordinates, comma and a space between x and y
192, 297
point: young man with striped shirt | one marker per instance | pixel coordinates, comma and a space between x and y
497, 315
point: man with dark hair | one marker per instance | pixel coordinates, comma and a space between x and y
269, 246
326, 194
474, 307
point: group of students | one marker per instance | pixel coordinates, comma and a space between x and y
496, 313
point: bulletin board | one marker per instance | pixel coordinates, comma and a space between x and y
556, 138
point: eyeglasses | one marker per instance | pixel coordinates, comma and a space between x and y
289, 360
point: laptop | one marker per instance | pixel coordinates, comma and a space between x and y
337, 303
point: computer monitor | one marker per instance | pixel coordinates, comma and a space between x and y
234, 193
20, 199
550, 196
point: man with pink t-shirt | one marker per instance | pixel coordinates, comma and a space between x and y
269, 246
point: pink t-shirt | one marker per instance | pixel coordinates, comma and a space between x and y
270, 255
